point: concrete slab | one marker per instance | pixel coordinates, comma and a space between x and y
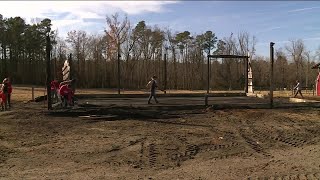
174, 101
298, 100
189, 102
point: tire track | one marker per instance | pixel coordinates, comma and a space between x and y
288, 139
238, 154
153, 154
253, 144
300, 176
213, 147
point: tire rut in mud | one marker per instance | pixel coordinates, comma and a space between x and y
300, 176
253, 143
153, 153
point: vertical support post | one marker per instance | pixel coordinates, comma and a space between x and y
119, 66
5, 53
165, 70
313, 90
208, 83
48, 50
307, 74
271, 73
71, 73
32, 93
206, 99
246, 74
208, 78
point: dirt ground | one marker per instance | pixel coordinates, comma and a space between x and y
150, 142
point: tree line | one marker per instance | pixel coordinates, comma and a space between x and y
144, 51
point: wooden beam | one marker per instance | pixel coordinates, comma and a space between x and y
227, 56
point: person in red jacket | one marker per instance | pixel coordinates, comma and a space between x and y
54, 89
3, 99
66, 94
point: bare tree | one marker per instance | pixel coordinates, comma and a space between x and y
117, 35
296, 49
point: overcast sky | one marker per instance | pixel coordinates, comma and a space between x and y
267, 20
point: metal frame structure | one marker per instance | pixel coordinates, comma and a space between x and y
246, 62
246, 59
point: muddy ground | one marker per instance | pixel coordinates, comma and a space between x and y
93, 142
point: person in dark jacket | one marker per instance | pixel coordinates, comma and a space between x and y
298, 89
153, 87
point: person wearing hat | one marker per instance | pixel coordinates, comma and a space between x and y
153, 86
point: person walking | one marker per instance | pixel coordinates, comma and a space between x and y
153, 87
298, 89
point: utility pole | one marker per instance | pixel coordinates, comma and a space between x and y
271, 73
48, 50
246, 61
5, 53
307, 73
208, 77
165, 69
118, 43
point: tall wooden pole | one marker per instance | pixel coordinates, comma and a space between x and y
48, 50
246, 61
70, 64
208, 77
165, 70
271, 73
5, 53
119, 67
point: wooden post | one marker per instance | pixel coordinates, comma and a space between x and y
208, 78
246, 74
313, 90
32, 93
70, 64
206, 99
5, 33
119, 67
48, 50
271, 73
165, 70
44, 95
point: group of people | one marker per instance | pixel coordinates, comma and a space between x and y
5, 94
63, 92
152, 84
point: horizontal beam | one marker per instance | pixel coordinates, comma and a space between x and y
227, 56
